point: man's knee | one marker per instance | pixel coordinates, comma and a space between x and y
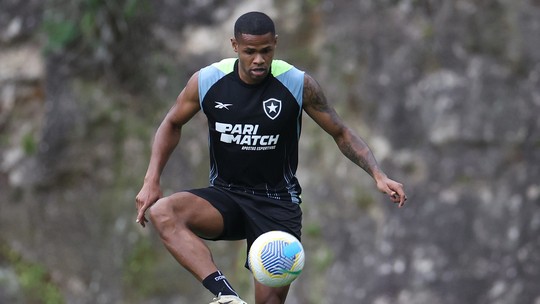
269, 295
169, 210
160, 212
184, 210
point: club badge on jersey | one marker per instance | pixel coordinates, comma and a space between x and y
272, 108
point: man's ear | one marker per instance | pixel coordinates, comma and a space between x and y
234, 44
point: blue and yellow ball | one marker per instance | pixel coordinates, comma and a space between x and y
276, 258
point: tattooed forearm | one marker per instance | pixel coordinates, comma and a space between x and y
358, 152
351, 145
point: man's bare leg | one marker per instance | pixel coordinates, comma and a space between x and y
180, 219
270, 295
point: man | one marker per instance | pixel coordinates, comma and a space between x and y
254, 106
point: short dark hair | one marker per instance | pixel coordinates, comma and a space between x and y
254, 23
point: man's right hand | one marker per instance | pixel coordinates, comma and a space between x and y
149, 194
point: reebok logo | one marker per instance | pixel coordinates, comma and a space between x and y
221, 105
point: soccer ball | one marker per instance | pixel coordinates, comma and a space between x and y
276, 258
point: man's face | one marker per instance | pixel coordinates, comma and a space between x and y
255, 55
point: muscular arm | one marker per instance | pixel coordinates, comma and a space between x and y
165, 141
168, 134
350, 144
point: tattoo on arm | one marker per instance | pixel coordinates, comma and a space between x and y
314, 96
360, 155
351, 145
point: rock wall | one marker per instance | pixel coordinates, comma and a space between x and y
446, 93
449, 94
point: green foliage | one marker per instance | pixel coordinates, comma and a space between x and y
29, 144
428, 31
242, 282
59, 33
88, 20
320, 258
410, 168
323, 257
313, 229
313, 3
34, 279
465, 179
88, 26
139, 266
133, 7
365, 200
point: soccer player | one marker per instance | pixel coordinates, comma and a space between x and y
254, 107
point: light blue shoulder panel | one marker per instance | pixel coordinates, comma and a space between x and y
291, 77
209, 75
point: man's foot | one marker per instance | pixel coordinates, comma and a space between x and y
227, 300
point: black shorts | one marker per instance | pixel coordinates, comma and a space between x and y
246, 216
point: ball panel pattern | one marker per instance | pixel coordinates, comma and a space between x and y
273, 258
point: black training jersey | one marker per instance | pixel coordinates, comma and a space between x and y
253, 129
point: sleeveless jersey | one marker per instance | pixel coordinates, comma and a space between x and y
253, 129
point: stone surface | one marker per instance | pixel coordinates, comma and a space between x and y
447, 95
